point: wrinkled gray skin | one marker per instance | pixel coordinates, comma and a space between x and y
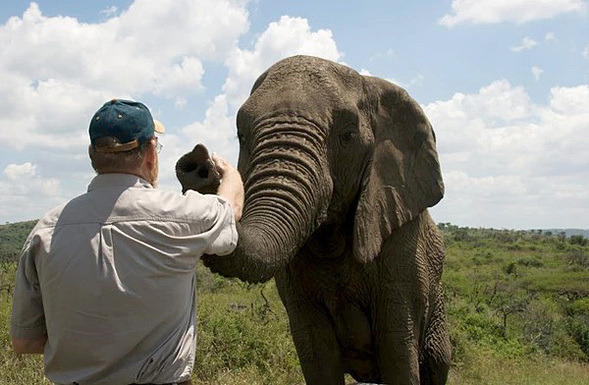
339, 169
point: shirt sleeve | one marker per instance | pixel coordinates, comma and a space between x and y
222, 235
28, 316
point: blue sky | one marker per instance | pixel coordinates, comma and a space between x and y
505, 85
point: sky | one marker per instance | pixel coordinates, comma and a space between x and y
505, 85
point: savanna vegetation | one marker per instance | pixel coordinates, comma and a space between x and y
517, 303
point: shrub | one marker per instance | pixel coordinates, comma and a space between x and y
578, 240
532, 262
577, 258
578, 329
539, 322
247, 333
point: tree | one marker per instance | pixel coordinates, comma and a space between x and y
578, 240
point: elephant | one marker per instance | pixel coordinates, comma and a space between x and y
339, 170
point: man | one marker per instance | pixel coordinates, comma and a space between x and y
105, 287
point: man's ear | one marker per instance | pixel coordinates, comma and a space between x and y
149, 157
151, 153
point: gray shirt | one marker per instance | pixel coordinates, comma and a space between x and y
110, 278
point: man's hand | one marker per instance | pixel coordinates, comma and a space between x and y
231, 187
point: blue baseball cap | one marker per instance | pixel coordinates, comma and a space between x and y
129, 122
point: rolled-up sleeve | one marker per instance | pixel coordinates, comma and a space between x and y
28, 317
222, 235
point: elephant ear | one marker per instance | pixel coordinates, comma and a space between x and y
403, 177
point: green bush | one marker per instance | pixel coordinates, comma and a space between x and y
578, 258
245, 332
527, 261
578, 240
578, 328
578, 323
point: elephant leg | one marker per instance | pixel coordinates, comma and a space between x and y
399, 327
437, 350
319, 355
398, 358
313, 335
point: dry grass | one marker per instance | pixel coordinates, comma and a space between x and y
487, 369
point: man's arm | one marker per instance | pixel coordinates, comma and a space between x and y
27, 346
231, 187
27, 327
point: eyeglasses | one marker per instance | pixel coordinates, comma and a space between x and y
158, 145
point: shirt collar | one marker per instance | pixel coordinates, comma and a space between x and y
117, 180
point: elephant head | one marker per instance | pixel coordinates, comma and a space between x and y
325, 150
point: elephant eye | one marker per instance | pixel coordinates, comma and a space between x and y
347, 137
241, 138
346, 123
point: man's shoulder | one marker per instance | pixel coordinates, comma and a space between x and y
163, 196
51, 217
167, 205
47, 223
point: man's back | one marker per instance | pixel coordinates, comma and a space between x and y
116, 269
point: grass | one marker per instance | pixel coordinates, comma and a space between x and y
484, 368
517, 303
16, 370
242, 341
244, 338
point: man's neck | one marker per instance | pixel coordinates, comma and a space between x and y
136, 173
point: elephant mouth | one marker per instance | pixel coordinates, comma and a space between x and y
328, 241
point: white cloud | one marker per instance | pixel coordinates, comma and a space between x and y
514, 11
24, 179
54, 71
13, 172
550, 37
537, 71
527, 43
47, 113
109, 12
217, 128
182, 78
21, 185
502, 153
499, 101
570, 100
586, 52
287, 37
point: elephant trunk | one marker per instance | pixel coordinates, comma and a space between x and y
286, 189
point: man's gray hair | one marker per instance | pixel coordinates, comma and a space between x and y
124, 161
